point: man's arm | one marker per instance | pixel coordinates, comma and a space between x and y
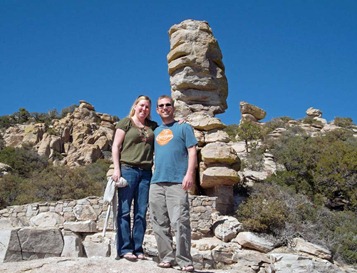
189, 178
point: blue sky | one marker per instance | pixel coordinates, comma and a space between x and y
283, 56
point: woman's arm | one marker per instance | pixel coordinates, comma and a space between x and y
117, 144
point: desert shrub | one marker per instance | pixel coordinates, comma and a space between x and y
311, 121
98, 170
52, 131
10, 188
22, 116
254, 159
2, 142
61, 182
343, 122
6, 122
45, 118
22, 160
68, 110
297, 154
277, 210
339, 135
271, 125
264, 211
320, 166
335, 175
231, 130
343, 237
54, 183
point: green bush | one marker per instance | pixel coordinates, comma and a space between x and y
311, 121
68, 110
54, 183
249, 131
271, 125
10, 188
264, 211
343, 122
23, 160
33, 180
2, 142
254, 159
6, 122
279, 211
343, 237
231, 130
324, 166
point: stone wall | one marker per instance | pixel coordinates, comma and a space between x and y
90, 212
74, 228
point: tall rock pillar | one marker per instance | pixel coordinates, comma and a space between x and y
200, 89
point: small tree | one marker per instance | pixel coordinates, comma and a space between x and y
67, 110
249, 131
22, 116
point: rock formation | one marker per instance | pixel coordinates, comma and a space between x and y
312, 112
197, 73
80, 138
199, 88
251, 112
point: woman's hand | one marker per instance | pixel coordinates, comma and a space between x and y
116, 175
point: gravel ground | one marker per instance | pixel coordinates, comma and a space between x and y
92, 265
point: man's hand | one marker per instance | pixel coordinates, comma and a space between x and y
188, 181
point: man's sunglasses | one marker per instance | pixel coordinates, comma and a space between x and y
164, 104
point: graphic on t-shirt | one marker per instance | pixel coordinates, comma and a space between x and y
164, 137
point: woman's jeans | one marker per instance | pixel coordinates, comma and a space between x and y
138, 191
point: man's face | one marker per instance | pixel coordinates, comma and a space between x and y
165, 109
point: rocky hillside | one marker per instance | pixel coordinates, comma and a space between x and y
80, 138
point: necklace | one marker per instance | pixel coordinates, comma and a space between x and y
143, 133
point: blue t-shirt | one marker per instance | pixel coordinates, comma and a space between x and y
171, 155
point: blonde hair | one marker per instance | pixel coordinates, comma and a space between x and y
132, 110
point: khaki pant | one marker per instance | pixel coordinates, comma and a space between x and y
169, 211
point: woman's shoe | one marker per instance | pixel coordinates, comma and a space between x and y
141, 257
188, 268
164, 265
130, 257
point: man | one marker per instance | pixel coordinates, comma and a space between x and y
175, 169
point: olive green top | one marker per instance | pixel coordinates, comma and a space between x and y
138, 145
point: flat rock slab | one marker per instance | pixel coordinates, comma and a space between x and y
97, 264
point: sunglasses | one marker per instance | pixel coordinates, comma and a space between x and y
164, 104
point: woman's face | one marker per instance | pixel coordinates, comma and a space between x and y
142, 109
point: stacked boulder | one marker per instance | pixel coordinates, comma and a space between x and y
200, 88
251, 112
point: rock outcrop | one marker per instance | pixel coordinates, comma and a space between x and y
80, 138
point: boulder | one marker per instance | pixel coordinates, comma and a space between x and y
256, 112
253, 241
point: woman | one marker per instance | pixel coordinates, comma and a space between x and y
132, 151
